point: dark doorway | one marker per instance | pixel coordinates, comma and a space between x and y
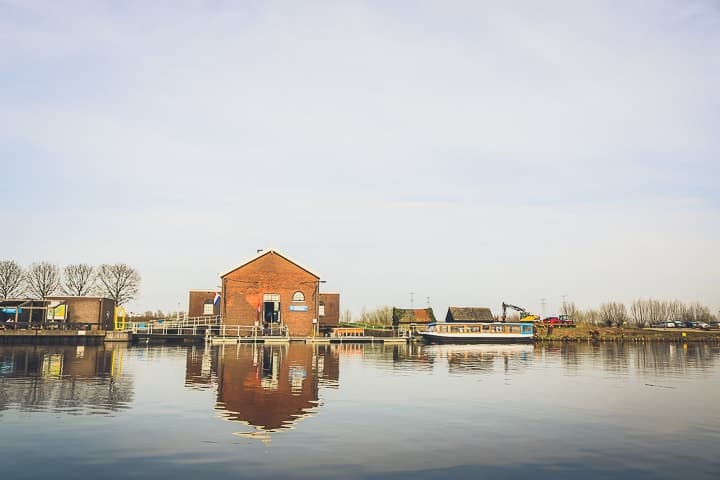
271, 312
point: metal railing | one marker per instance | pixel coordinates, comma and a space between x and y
247, 331
205, 326
186, 326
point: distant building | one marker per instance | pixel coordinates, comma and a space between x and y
271, 290
328, 311
469, 314
410, 319
204, 303
21, 312
95, 313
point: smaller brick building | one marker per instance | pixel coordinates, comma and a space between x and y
329, 311
204, 303
96, 313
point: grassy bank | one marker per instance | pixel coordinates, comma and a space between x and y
587, 332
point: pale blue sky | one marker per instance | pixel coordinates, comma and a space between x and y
470, 152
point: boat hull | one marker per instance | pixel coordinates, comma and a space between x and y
431, 337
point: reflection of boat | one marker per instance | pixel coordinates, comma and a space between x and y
478, 332
510, 349
481, 358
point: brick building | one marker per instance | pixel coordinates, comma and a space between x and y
96, 313
273, 290
328, 311
203, 303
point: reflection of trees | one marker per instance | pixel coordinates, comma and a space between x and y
624, 357
70, 379
662, 357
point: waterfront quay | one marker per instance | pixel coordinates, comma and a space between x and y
79, 337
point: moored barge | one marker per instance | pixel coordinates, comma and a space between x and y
478, 332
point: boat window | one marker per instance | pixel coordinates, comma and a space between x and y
498, 328
527, 329
486, 328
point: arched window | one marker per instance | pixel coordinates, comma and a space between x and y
298, 296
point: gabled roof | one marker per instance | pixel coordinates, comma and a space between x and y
261, 254
469, 314
417, 315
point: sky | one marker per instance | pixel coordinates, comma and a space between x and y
411, 153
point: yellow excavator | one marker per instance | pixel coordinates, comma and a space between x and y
525, 316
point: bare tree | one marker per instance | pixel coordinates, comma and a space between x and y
43, 279
120, 282
379, 316
12, 279
589, 316
697, 312
639, 313
613, 313
570, 310
80, 279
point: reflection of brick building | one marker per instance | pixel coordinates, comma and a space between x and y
271, 289
271, 386
203, 303
61, 375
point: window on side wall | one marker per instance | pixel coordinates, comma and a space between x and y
208, 307
298, 297
321, 309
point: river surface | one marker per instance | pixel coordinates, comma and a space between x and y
360, 411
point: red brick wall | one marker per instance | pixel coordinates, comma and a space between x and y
196, 303
244, 287
332, 309
93, 311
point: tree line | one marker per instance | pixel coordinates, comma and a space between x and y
640, 313
118, 281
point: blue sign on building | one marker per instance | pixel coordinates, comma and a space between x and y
298, 308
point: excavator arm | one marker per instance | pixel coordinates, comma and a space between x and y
524, 314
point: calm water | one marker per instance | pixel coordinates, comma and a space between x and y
302, 411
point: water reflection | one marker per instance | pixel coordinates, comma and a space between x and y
64, 378
625, 358
481, 358
269, 387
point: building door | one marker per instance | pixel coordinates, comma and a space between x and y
271, 308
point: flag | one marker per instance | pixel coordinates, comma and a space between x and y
216, 299
259, 306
